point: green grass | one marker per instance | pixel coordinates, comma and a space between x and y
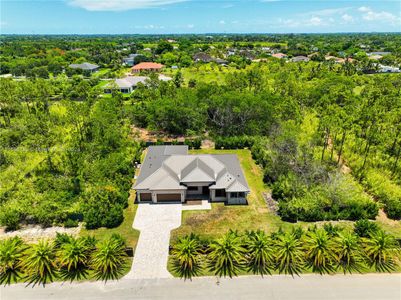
256, 215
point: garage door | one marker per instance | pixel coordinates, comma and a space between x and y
168, 197
146, 196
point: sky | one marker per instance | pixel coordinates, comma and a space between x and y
197, 16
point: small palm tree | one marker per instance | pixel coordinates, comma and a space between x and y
226, 255
260, 259
11, 255
349, 253
319, 252
382, 251
73, 259
40, 264
186, 256
289, 254
109, 259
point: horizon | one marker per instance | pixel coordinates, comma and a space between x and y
163, 17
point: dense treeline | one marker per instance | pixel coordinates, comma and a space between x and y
325, 250
63, 161
65, 258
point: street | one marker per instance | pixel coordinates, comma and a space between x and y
307, 287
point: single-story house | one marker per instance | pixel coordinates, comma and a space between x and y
85, 67
125, 85
169, 173
128, 84
129, 61
279, 55
388, 69
381, 53
300, 59
202, 57
147, 66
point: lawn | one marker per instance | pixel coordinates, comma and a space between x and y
221, 218
256, 215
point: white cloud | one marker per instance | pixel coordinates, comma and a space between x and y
222, 22
119, 5
347, 18
315, 21
190, 26
329, 11
382, 16
3, 24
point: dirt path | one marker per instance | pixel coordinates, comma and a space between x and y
34, 232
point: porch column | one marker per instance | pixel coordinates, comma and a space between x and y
212, 195
182, 196
138, 196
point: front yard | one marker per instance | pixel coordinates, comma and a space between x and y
256, 215
221, 218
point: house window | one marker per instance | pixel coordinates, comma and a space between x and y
220, 193
192, 188
237, 195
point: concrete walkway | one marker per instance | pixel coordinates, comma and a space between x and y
155, 221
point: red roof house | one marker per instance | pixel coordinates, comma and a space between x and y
147, 66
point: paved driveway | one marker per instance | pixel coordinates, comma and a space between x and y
155, 221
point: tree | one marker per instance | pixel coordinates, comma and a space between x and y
163, 46
348, 252
260, 253
11, 257
382, 251
319, 252
289, 255
40, 264
109, 259
186, 256
226, 255
73, 258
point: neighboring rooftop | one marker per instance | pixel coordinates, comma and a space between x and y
84, 66
147, 66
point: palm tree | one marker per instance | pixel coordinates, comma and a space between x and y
260, 259
186, 256
226, 255
109, 259
319, 251
11, 255
382, 251
289, 254
40, 264
73, 259
349, 253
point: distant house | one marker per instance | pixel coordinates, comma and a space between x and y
220, 61
85, 67
125, 85
338, 60
300, 59
147, 66
279, 55
381, 53
375, 57
128, 84
388, 69
130, 60
202, 57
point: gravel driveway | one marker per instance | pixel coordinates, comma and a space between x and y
155, 221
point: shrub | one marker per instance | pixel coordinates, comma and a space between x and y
364, 228
234, 142
70, 223
10, 217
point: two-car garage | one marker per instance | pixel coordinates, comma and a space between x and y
168, 197
159, 197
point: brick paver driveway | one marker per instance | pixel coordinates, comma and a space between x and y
155, 221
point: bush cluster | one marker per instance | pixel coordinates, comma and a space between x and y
323, 250
385, 191
64, 258
234, 142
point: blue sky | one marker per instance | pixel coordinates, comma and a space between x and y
197, 16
